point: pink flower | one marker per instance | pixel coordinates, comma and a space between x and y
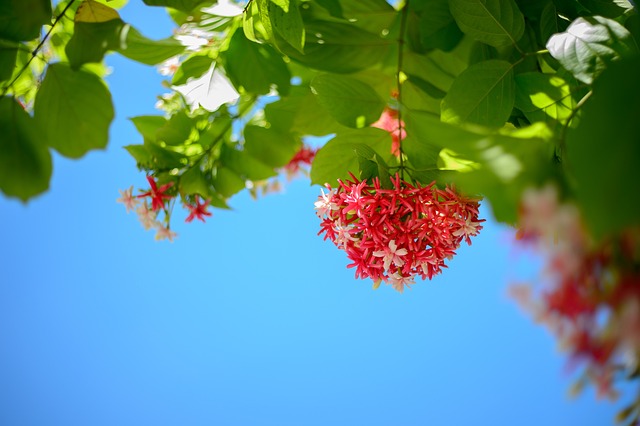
199, 210
156, 194
304, 157
398, 281
147, 216
128, 199
163, 232
391, 254
389, 121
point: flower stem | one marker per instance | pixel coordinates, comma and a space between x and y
403, 25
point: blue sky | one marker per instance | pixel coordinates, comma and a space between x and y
250, 319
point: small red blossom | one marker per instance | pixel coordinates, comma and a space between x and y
304, 157
393, 235
156, 194
197, 210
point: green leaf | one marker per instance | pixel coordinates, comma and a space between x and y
300, 113
193, 181
25, 162
141, 154
287, 21
604, 150
350, 101
182, 5
271, 147
148, 125
497, 23
372, 166
589, 45
227, 182
483, 94
192, 67
164, 158
340, 48
374, 16
544, 97
338, 156
548, 21
438, 29
151, 52
176, 131
607, 8
91, 41
74, 110
244, 164
255, 67
8, 55
22, 20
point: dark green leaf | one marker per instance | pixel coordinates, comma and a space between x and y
483, 94
438, 29
91, 41
350, 101
183, 5
497, 23
286, 20
25, 162
151, 52
74, 110
193, 67
22, 20
589, 45
193, 182
372, 165
607, 8
338, 156
8, 54
255, 67
603, 151
548, 22
271, 147
374, 16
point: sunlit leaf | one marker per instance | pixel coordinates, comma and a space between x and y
92, 40
25, 162
544, 97
271, 147
147, 51
183, 5
91, 11
287, 21
74, 110
589, 45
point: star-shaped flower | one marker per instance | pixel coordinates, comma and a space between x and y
156, 194
164, 232
128, 199
197, 211
391, 254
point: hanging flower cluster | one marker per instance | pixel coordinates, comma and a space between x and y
394, 235
590, 299
150, 203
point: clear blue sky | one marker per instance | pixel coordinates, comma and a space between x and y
250, 319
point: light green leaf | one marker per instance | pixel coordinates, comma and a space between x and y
227, 182
148, 125
151, 52
544, 97
483, 94
271, 147
604, 150
193, 181
497, 23
350, 101
255, 67
338, 156
25, 162
192, 67
176, 131
244, 164
182, 5
287, 21
22, 20
589, 45
74, 110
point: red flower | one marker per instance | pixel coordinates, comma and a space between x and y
389, 121
156, 194
198, 210
392, 235
303, 157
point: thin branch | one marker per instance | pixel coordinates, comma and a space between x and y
35, 51
403, 24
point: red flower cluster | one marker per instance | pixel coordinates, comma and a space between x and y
591, 300
393, 235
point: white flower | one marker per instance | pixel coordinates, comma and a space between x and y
223, 8
129, 201
147, 216
324, 204
170, 66
164, 232
398, 281
391, 254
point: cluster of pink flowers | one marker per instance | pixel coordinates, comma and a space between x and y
389, 121
300, 162
590, 293
394, 235
155, 200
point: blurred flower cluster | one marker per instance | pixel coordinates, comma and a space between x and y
156, 200
589, 296
393, 235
